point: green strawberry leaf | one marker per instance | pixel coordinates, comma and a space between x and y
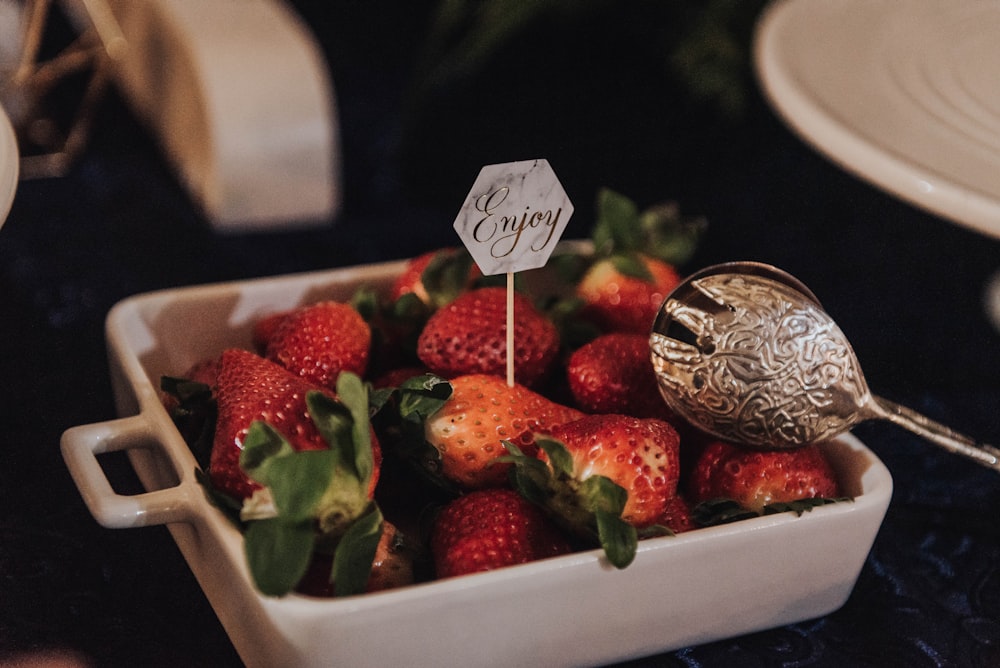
422, 396
719, 511
194, 415
617, 227
630, 264
400, 412
355, 552
559, 457
344, 424
366, 302
800, 506
262, 444
659, 230
601, 493
723, 511
393, 324
278, 553
379, 398
655, 531
353, 394
591, 508
409, 308
297, 480
186, 391
618, 538
669, 236
229, 506
606, 500
529, 476
447, 275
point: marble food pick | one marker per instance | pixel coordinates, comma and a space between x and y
513, 216
511, 221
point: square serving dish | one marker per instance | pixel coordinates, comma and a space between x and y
573, 610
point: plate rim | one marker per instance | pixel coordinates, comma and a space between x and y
9, 169
873, 162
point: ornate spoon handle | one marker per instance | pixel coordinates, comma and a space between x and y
937, 433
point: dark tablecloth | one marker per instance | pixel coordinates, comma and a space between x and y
905, 286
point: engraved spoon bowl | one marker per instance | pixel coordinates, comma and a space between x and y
745, 351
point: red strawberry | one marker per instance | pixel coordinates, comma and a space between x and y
640, 455
677, 516
755, 478
304, 464
482, 411
490, 529
469, 336
264, 329
607, 478
613, 374
436, 277
623, 293
408, 281
251, 388
319, 341
205, 371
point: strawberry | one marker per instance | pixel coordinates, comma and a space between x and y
319, 341
635, 255
468, 336
613, 374
206, 371
608, 477
251, 388
482, 411
264, 328
436, 277
408, 281
757, 478
640, 455
489, 529
624, 292
677, 516
304, 464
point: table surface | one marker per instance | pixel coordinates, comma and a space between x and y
905, 286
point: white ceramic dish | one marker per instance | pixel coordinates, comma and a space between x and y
901, 92
572, 610
9, 165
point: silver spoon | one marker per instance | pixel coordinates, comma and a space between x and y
745, 352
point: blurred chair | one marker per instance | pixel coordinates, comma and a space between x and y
237, 95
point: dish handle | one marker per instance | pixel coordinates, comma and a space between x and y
80, 447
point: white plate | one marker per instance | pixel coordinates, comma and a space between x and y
904, 93
574, 610
9, 165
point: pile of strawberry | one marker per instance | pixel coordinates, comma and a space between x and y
366, 445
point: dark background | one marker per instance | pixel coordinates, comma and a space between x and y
657, 102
